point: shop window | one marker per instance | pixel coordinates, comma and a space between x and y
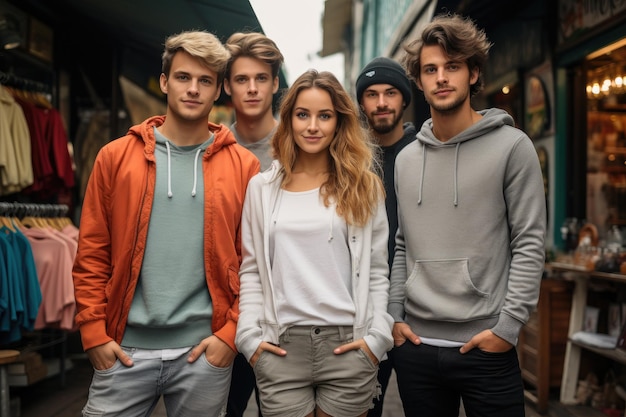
606, 137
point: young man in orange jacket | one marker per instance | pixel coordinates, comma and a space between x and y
155, 276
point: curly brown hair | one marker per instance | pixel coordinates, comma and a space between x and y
460, 39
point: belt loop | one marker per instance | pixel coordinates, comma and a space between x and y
286, 335
342, 334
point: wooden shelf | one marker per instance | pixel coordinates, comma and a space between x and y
542, 341
617, 355
615, 149
40, 340
574, 349
606, 276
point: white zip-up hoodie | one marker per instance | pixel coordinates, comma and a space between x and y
258, 320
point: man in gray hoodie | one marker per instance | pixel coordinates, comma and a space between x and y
470, 244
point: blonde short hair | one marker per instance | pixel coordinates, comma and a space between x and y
204, 46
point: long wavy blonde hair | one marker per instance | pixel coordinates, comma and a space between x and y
352, 182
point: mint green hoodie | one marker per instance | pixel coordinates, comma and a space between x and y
470, 242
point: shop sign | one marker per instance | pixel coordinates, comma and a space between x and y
577, 17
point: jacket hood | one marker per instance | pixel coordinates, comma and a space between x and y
144, 131
222, 136
492, 119
273, 173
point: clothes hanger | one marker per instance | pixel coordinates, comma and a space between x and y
6, 221
5, 212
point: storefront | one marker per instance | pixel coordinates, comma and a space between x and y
590, 197
591, 114
519, 79
560, 71
98, 63
74, 75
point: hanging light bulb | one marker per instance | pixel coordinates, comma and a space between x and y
595, 88
619, 79
606, 86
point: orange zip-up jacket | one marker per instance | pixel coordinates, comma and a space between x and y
114, 227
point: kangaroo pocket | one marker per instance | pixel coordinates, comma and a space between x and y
443, 290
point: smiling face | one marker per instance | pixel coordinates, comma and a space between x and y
445, 82
313, 121
251, 86
383, 105
191, 89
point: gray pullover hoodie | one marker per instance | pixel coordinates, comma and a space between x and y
470, 244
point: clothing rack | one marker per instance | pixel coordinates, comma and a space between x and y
46, 338
12, 80
21, 210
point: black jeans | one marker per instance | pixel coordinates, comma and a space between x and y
384, 373
433, 380
242, 384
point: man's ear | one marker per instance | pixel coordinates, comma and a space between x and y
276, 83
163, 83
218, 93
474, 75
226, 87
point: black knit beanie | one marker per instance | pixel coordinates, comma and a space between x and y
383, 70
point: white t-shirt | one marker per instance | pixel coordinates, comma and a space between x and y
310, 262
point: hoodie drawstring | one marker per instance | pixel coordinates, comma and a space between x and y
419, 197
195, 172
456, 174
456, 171
169, 171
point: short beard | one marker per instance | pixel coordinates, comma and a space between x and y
383, 128
448, 108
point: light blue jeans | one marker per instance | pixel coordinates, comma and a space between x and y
196, 389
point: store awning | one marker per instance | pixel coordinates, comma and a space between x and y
146, 23
335, 23
143, 25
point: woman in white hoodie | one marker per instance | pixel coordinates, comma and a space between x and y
314, 288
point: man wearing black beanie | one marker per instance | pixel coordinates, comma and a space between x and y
383, 92
383, 70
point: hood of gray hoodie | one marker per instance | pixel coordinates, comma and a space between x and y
493, 118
